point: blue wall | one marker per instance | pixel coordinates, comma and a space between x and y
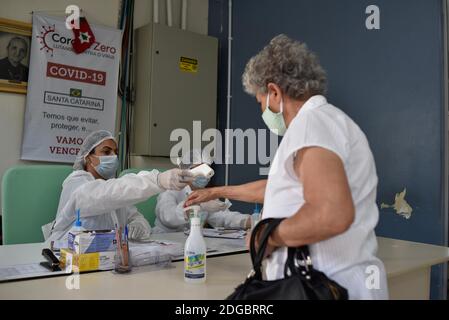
218, 27
390, 81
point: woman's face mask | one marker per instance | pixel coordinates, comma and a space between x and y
274, 121
107, 168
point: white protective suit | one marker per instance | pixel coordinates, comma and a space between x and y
170, 214
103, 204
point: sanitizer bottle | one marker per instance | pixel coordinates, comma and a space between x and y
195, 254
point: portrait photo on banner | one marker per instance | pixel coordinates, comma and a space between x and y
15, 44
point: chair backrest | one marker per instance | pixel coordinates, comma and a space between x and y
30, 198
146, 208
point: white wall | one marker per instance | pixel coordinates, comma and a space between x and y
12, 106
197, 14
106, 12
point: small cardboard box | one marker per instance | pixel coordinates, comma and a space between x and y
88, 261
92, 241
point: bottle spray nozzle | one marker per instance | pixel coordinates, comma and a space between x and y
78, 220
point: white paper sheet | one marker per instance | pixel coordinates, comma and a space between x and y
154, 252
24, 271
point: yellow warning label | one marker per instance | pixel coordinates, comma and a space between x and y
188, 65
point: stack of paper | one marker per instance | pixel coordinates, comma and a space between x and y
222, 233
154, 252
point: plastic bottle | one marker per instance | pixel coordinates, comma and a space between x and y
76, 229
195, 254
77, 226
255, 217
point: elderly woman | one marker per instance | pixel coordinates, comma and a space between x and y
103, 200
323, 178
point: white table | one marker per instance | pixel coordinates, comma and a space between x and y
407, 263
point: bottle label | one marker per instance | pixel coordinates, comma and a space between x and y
195, 266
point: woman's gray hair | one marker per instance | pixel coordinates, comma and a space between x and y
290, 65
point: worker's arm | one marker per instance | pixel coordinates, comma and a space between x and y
229, 219
139, 227
250, 192
328, 209
170, 210
103, 196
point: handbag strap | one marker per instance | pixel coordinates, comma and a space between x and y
268, 226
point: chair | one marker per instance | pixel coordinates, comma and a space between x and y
148, 207
30, 198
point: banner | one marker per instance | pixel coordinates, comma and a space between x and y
69, 95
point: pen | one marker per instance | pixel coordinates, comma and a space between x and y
125, 247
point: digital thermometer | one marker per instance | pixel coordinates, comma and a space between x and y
203, 170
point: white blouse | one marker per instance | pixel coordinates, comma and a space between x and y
348, 258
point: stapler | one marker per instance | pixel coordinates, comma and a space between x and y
52, 262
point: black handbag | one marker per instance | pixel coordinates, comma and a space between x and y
301, 281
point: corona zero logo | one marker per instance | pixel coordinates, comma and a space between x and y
49, 36
43, 38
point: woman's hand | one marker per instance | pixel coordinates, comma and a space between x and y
200, 196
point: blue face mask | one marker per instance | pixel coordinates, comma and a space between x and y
200, 182
108, 166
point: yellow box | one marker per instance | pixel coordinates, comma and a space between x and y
87, 261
